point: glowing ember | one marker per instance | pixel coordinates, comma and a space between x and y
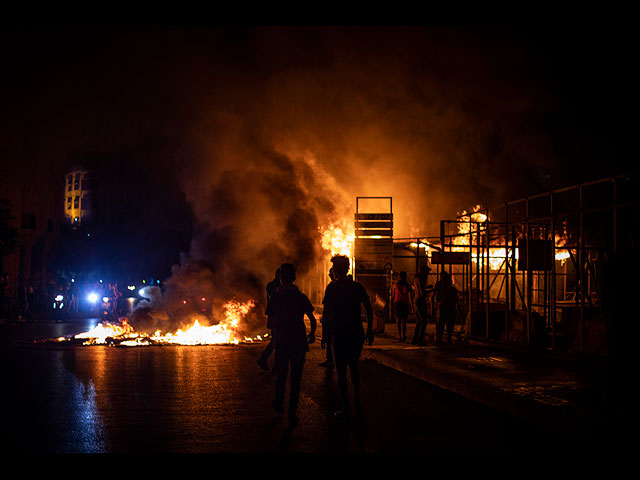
562, 256
225, 332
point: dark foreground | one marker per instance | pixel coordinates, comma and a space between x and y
215, 399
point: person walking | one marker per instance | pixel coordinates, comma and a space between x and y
344, 299
446, 299
403, 303
286, 311
423, 292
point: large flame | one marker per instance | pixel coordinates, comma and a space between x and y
338, 239
225, 332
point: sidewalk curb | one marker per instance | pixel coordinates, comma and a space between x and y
524, 408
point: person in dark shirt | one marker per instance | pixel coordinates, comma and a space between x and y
446, 298
423, 293
403, 304
343, 300
286, 310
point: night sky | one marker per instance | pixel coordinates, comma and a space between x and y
271, 131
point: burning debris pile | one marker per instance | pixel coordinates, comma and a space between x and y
121, 333
188, 301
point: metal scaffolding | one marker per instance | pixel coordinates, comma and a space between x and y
532, 274
530, 271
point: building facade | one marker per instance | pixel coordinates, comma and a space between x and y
77, 199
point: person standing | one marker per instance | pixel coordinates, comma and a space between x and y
446, 298
286, 310
402, 301
423, 292
344, 298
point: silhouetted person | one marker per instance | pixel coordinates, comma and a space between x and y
402, 301
423, 292
327, 331
272, 288
286, 309
74, 300
343, 300
446, 298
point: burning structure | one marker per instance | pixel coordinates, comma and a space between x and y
531, 271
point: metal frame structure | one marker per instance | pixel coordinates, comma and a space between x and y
534, 272
373, 257
529, 271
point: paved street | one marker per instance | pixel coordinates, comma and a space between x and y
215, 399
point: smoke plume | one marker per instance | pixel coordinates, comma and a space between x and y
274, 132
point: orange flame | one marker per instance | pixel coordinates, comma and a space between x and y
226, 332
471, 225
338, 240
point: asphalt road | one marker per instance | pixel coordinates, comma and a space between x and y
215, 399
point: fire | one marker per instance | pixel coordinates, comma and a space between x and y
420, 245
472, 224
338, 240
562, 256
225, 332
561, 240
104, 330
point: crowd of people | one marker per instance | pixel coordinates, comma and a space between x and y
439, 303
58, 299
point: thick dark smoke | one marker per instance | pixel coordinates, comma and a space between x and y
250, 218
273, 132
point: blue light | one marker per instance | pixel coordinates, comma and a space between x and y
92, 297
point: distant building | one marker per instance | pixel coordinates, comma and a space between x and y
122, 219
77, 198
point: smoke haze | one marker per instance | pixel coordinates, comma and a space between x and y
273, 132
